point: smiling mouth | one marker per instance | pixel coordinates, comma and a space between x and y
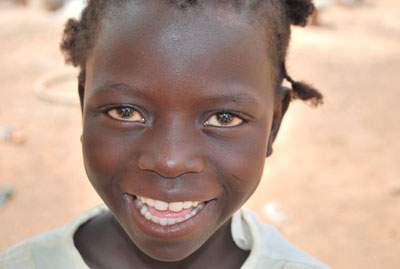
164, 213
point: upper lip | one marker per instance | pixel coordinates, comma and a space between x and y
176, 198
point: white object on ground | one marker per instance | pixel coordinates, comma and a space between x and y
5, 193
274, 213
7, 133
72, 9
322, 4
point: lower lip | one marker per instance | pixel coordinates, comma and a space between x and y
177, 230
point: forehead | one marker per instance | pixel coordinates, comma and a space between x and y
209, 42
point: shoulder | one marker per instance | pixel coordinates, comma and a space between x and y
53, 249
26, 253
269, 249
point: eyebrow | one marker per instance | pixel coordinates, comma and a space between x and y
233, 98
121, 87
215, 98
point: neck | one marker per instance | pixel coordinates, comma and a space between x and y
116, 248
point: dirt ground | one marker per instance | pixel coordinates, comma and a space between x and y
333, 178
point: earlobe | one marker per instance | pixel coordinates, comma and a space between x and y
280, 109
269, 149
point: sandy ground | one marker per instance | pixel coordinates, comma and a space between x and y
335, 170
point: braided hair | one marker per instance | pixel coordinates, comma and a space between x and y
80, 35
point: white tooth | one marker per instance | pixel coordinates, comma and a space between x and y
175, 206
179, 220
143, 210
193, 212
150, 202
187, 204
171, 221
138, 202
160, 205
195, 203
197, 208
163, 221
142, 199
155, 219
187, 216
147, 215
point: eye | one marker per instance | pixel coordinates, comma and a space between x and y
126, 113
223, 119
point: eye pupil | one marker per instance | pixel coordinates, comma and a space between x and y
224, 118
125, 112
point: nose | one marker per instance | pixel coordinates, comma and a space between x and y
171, 152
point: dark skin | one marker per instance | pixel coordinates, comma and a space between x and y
159, 84
115, 250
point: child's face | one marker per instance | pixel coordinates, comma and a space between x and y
178, 107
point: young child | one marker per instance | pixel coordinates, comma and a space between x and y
181, 102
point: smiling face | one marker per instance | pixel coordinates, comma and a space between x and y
178, 107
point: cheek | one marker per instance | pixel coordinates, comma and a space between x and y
243, 162
103, 156
248, 164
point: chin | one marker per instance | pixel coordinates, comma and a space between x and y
170, 243
170, 253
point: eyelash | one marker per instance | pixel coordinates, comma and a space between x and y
233, 117
115, 113
211, 121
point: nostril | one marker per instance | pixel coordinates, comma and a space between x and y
170, 167
196, 165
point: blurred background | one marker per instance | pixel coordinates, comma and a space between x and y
332, 186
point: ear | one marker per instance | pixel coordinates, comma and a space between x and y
81, 86
81, 91
281, 106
